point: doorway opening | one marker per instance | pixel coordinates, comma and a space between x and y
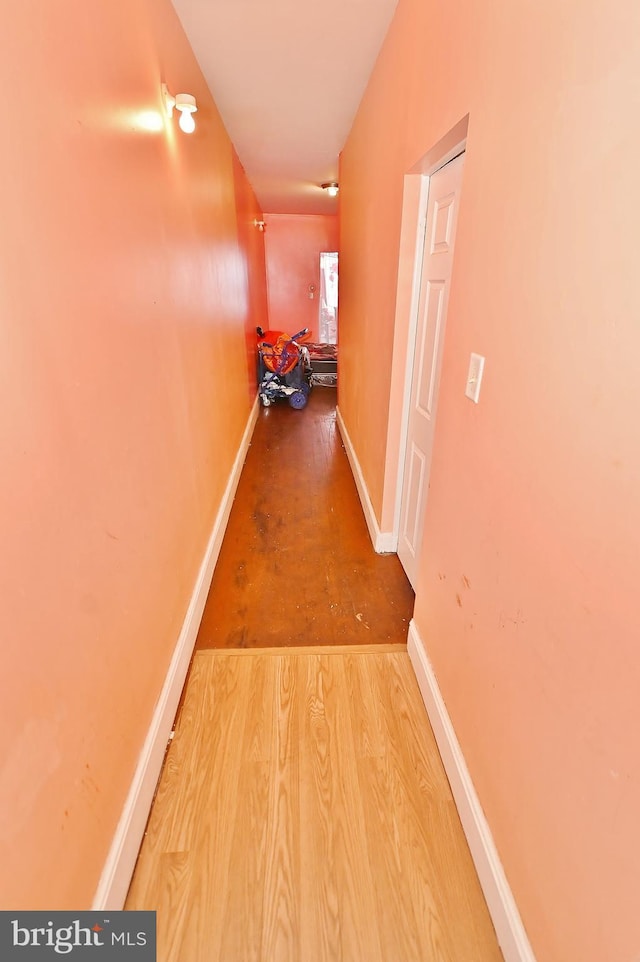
411, 249
432, 280
328, 304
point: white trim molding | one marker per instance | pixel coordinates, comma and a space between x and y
119, 866
504, 913
383, 542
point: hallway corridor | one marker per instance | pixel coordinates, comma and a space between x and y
303, 813
297, 566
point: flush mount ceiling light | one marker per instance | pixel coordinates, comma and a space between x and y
331, 188
187, 106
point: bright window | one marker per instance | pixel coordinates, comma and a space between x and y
328, 319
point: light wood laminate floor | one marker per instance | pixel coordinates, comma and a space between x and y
303, 815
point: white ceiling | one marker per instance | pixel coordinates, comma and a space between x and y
287, 77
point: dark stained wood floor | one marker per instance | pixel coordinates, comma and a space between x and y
297, 566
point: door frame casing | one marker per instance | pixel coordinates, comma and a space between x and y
412, 239
427, 335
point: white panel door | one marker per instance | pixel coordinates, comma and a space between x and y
435, 275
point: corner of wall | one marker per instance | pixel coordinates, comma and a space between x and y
384, 542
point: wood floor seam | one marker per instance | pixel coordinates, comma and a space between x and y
303, 812
303, 651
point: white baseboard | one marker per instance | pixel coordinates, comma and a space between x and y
118, 869
383, 541
502, 907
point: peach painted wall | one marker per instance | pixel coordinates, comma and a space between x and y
527, 597
293, 243
130, 280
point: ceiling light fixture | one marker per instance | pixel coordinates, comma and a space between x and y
260, 224
187, 106
331, 188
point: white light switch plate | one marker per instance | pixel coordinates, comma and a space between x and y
474, 377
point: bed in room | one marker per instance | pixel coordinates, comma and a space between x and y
324, 363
